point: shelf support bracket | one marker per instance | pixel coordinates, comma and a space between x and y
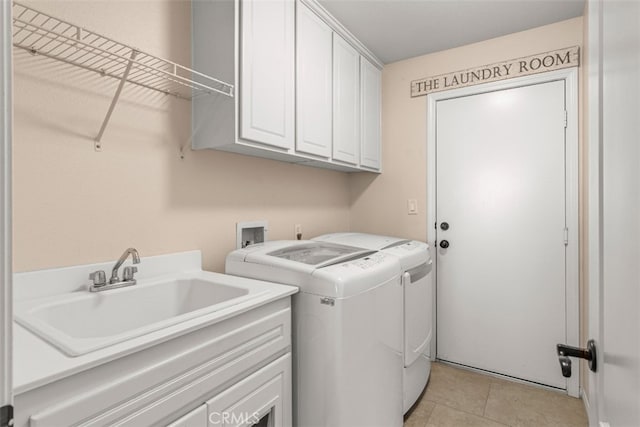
98, 144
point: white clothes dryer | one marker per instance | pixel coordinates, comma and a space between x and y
418, 303
347, 329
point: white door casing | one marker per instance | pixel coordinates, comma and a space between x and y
569, 79
594, 275
6, 303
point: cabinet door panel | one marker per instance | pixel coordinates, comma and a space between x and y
267, 72
346, 101
370, 81
195, 418
313, 83
266, 392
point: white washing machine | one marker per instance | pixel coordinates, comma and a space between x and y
418, 303
347, 329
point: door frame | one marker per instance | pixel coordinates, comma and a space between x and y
6, 120
570, 77
594, 282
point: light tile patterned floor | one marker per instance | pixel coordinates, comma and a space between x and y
458, 398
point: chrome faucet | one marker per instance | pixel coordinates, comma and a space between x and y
98, 278
127, 272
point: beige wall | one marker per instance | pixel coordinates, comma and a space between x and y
379, 203
73, 205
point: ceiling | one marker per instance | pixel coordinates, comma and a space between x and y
399, 29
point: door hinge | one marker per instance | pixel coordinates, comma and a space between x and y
566, 118
566, 236
6, 416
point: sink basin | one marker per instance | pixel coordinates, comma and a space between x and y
81, 322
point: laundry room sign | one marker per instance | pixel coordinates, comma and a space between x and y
547, 61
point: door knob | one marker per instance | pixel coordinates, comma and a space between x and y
444, 226
444, 244
589, 353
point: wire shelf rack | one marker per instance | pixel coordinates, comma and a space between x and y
43, 34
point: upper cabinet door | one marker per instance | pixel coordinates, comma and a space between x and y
370, 88
346, 101
267, 72
313, 87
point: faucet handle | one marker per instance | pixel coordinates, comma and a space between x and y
99, 278
128, 272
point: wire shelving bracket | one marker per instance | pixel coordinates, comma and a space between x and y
42, 34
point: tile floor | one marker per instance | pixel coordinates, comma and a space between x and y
457, 398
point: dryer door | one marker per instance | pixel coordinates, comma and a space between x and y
418, 307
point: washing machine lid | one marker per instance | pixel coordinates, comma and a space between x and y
410, 252
362, 240
320, 254
302, 255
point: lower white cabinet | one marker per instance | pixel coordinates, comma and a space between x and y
235, 372
260, 398
197, 417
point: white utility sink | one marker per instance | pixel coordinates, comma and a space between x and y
81, 322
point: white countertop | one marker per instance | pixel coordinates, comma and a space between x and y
36, 362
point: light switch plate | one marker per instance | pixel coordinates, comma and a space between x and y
412, 206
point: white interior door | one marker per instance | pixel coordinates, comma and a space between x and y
614, 211
6, 312
501, 284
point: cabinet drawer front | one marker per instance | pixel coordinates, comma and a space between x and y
267, 72
150, 395
267, 391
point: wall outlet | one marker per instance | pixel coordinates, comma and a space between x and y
298, 231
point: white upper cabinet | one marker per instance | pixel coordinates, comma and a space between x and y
346, 101
370, 94
302, 95
313, 83
267, 72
